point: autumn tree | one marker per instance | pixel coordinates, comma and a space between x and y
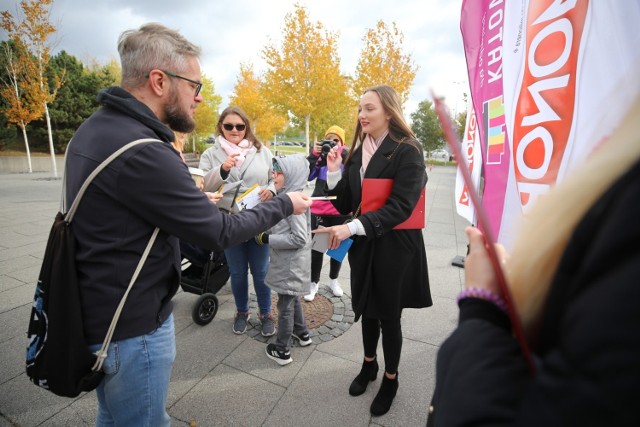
20, 90
342, 112
382, 61
425, 124
303, 77
206, 115
249, 94
33, 33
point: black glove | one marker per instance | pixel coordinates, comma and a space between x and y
262, 238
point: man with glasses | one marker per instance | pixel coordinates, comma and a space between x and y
147, 186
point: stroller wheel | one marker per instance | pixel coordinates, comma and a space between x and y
205, 309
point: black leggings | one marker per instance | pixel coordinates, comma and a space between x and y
391, 340
318, 257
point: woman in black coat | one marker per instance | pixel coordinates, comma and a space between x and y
388, 267
574, 275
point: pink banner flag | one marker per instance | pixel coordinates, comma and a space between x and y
482, 25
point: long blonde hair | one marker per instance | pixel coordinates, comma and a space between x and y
399, 129
546, 229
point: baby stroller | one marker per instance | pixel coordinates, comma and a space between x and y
215, 273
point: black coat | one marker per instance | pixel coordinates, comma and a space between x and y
588, 343
388, 267
148, 186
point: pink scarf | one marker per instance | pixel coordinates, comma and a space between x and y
369, 147
230, 148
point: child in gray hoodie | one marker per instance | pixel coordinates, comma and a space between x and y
289, 260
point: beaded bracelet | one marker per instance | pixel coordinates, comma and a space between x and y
484, 294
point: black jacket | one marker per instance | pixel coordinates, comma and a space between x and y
388, 267
588, 345
148, 186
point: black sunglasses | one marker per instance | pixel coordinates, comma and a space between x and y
230, 126
197, 84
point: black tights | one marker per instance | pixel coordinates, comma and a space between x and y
318, 257
391, 340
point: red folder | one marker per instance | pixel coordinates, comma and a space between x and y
376, 191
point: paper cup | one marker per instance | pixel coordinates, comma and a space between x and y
198, 176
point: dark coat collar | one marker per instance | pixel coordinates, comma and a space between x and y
121, 100
381, 158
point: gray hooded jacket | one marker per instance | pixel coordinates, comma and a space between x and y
290, 239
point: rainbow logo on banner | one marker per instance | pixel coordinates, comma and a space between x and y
494, 129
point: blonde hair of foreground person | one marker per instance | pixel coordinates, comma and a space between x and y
547, 228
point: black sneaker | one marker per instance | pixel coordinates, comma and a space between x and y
303, 339
281, 358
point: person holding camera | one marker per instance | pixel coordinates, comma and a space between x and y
322, 211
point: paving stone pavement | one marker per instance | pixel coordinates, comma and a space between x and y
220, 378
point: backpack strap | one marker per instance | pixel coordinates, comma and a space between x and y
102, 353
96, 171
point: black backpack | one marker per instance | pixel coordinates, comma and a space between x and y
58, 357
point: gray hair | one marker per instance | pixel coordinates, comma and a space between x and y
153, 46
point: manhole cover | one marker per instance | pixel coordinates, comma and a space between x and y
316, 312
327, 316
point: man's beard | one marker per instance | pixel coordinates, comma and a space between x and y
177, 119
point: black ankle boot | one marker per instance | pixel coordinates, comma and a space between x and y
385, 396
367, 373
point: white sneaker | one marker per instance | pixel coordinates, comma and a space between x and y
312, 292
335, 288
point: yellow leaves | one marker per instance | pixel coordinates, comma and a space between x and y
304, 79
382, 61
29, 90
249, 94
304, 73
22, 91
206, 114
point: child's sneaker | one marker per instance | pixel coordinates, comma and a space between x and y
280, 357
335, 288
303, 339
240, 323
268, 325
312, 292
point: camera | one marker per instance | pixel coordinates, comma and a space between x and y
327, 145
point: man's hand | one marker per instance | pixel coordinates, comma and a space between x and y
301, 202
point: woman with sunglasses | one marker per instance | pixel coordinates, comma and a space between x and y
238, 155
322, 211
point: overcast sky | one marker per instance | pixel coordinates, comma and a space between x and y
231, 32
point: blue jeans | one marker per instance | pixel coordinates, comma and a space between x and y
134, 390
240, 258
